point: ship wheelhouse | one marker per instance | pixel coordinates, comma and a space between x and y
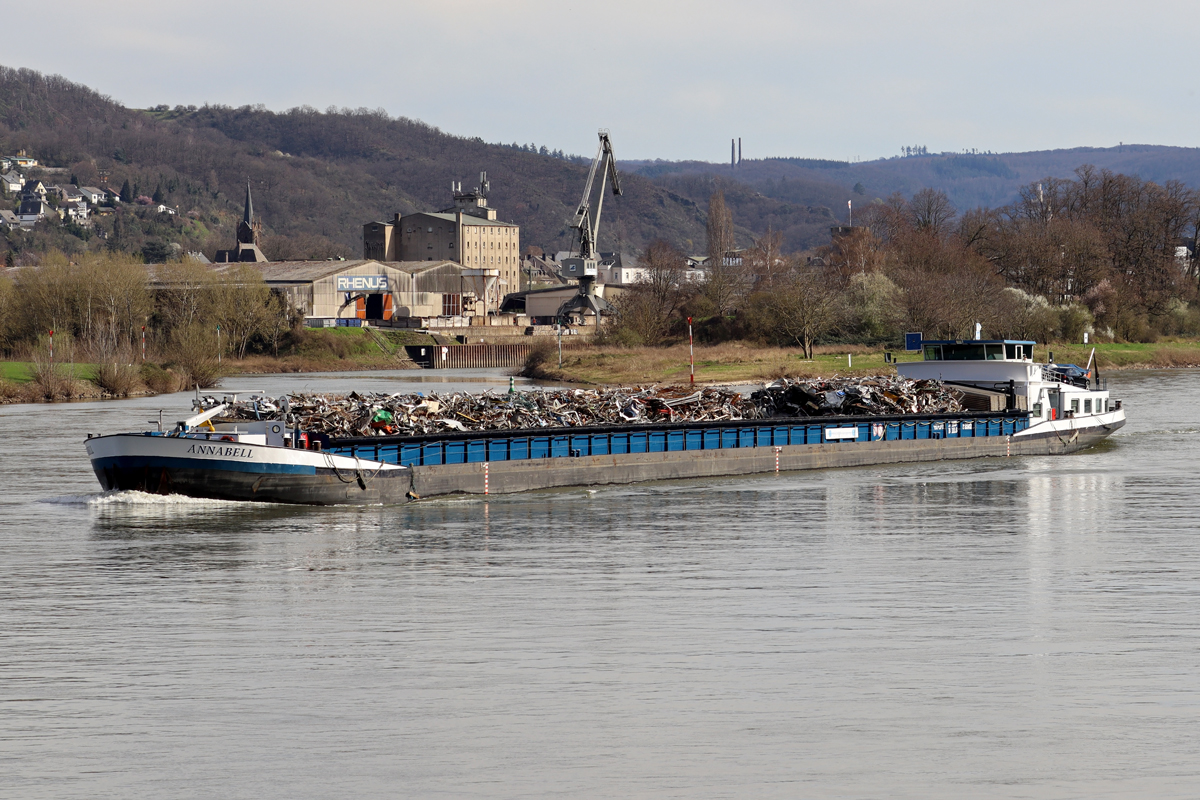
999, 350
1002, 372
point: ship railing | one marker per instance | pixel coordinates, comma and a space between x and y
1052, 375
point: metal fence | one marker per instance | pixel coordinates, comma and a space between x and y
468, 356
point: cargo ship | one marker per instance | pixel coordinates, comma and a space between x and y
1016, 408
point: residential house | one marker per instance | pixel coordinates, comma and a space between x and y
9, 219
733, 258
12, 182
32, 211
620, 269
35, 189
76, 210
164, 209
541, 269
93, 195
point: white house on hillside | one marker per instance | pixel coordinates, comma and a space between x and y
12, 182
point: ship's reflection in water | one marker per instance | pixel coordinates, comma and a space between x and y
1001, 627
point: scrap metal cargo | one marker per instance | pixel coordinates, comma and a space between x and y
411, 414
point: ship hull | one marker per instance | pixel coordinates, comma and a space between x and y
503, 477
199, 467
215, 470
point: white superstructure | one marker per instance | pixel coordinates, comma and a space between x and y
1060, 397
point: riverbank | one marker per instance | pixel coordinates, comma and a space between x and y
737, 362
724, 364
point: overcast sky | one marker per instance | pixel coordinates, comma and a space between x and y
671, 80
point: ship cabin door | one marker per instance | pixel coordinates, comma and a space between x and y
1054, 396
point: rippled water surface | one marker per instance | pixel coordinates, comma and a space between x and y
1021, 627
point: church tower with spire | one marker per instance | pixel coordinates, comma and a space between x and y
247, 237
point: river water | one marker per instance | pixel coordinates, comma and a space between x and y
1015, 628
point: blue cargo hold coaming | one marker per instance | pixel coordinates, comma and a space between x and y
516, 445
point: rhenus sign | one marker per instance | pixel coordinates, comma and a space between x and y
362, 283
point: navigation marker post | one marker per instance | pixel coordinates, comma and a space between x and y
51, 347
143, 344
691, 354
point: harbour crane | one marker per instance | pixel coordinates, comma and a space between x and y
587, 222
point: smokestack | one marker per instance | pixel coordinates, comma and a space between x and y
739, 149
732, 154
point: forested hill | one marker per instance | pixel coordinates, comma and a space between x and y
316, 176
970, 180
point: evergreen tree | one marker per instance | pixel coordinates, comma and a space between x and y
126, 192
158, 194
116, 242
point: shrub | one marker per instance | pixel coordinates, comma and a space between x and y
194, 352
161, 381
542, 356
52, 379
1176, 357
1074, 321
117, 379
11, 390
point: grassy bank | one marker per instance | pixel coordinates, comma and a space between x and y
351, 349
737, 362
323, 350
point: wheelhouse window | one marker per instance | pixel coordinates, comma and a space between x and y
995, 352
1015, 352
963, 352
933, 352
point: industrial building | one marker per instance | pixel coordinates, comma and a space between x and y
543, 306
468, 233
419, 294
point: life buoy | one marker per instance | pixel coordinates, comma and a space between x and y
228, 439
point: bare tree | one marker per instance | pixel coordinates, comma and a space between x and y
931, 212
765, 258
803, 306
855, 253
646, 309
241, 304
724, 280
